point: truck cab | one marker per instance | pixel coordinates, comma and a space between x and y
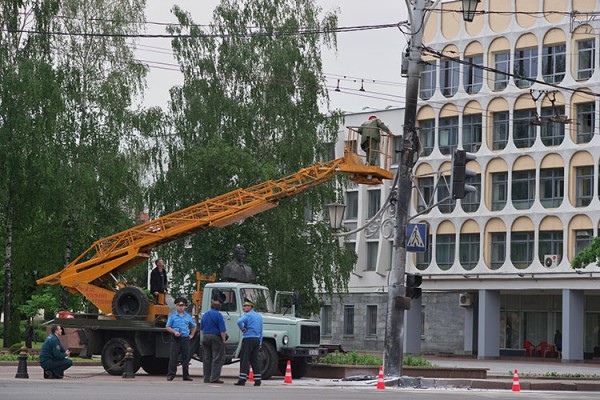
285, 336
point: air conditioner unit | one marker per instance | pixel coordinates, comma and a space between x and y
550, 260
466, 299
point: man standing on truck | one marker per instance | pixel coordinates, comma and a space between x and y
214, 337
182, 327
251, 325
158, 279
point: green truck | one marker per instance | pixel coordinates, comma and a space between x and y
285, 336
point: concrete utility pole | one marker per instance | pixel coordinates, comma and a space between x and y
394, 328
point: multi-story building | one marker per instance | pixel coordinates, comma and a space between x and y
518, 87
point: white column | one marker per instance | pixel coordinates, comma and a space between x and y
573, 312
488, 343
412, 322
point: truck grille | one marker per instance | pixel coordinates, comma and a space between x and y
310, 334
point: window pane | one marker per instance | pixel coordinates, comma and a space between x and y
468, 252
424, 258
444, 250
521, 249
326, 320
552, 187
583, 239
553, 63
371, 320
525, 66
550, 242
502, 65
524, 128
449, 74
473, 74
585, 122
472, 133
372, 248
448, 135
427, 135
351, 205
498, 255
553, 127
499, 190
500, 130
348, 320
470, 203
374, 202
586, 58
427, 85
523, 189
425, 192
584, 186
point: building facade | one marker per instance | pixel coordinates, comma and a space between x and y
519, 88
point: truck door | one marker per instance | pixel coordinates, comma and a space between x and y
231, 312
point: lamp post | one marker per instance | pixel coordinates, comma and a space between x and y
394, 330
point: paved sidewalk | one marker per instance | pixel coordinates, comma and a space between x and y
499, 375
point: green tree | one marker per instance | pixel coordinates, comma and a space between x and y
29, 105
589, 255
101, 156
248, 111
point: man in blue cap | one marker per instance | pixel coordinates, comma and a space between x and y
182, 327
251, 326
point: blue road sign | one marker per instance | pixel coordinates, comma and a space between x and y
416, 237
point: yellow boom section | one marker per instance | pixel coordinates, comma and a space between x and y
93, 272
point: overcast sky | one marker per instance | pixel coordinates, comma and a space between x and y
373, 56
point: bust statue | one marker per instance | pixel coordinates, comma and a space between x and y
236, 270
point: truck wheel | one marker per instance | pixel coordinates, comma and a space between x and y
155, 366
299, 367
268, 360
130, 303
113, 356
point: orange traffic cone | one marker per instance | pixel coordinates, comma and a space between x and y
380, 382
516, 386
288, 373
251, 375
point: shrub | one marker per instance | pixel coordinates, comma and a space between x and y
353, 358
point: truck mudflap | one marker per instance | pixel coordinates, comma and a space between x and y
304, 352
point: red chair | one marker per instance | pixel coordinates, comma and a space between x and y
542, 348
530, 349
549, 349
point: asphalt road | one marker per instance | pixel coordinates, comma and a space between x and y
142, 389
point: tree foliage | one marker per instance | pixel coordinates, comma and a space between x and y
589, 255
248, 111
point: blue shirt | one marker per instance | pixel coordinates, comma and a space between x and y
252, 322
212, 323
181, 323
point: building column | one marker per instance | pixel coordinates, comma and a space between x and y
573, 313
412, 324
488, 343
469, 329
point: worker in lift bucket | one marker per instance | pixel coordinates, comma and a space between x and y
371, 137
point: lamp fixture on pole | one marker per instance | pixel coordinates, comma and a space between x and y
336, 215
469, 8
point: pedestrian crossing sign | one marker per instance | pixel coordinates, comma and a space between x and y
416, 237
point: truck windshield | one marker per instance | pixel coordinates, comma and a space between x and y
261, 299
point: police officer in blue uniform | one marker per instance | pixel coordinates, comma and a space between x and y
182, 327
54, 359
251, 326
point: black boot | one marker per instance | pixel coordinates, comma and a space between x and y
240, 382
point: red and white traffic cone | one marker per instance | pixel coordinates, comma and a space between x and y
251, 375
516, 385
380, 382
288, 373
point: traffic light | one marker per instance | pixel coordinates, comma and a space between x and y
412, 285
460, 173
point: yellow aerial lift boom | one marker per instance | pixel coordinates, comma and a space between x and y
96, 273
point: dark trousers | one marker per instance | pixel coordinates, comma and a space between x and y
58, 366
179, 345
371, 149
213, 356
250, 355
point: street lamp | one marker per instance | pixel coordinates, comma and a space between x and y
336, 215
469, 8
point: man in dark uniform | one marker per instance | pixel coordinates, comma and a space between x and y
371, 136
54, 359
158, 279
